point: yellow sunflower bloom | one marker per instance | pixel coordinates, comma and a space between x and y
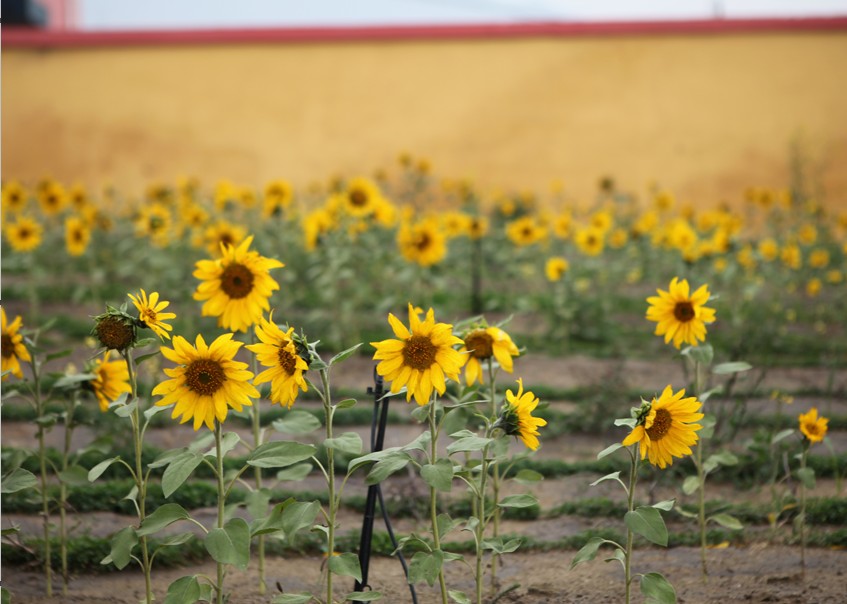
423, 242
154, 221
222, 234
77, 236
483, 343
52, 198
420, 358
555, 268
24, 234
150, 313
12, 346
590, 241
516, 417
665, 428
278, 197
236, 288
14, 197
285, 367
360, 197
206, 381
478, 227
813, 427
112, 380
526, 231
681, 317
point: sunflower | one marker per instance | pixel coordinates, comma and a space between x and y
277, 351
360, 197
77, 236
151, 315
665, 427
221, 234
12, 346
115, 329
422, 242
317, 223
278, 197
590, 241
154, 221
482, 343
555, 268
24, 234
680, 317
478, 227
206, 381
112, 380
52, 198
813, 427
421, 356
516, 417
236, 288
525, 231
14, 197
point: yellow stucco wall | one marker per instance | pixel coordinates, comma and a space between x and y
705, 116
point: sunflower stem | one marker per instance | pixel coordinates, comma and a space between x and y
257, 441
633, 478
701, 479
802, 521
63, 495
330, 479
42, 463
219, 464
480, 528
433, 496
495, 478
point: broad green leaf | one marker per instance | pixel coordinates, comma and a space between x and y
524, 500
74, 475
280, 453
468, 443
178, 471
166, 457
648, 523
297, 422
727, 521
347, 403
700, 354
782, 434
122, 410
386, 467
295, 473
363, 596
257, 502
439, 476
459, 597
425, 566
292, 599
421, 443
185, 590
666, 505
609, 450
708, 422
685, 514
151, 411
527, 477
178, 539
657, 590
95, 472
709, 393
724, 458
587, 552
629, 422
725, 368
690, 485
806, 476
122, 543
612, 476
446, 524
229, 441
163, 516
349, 442
145, 357
231, 544
67, 381
346, 565
500, 545
298, 516
358, 462
204, 440
18, 480
617, 555
344, 354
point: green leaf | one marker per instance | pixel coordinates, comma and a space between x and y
629, 422
524, 500
725, 368
122, 543
459, 597
700, 354
18, 480
782, 435
280, 453
163, 516
178, 539
666, 505
468, 443
724, 458
727, 521
685, 514
185, 590
499, 545
425, 566
612, 476
446, 524
345, 354
609, 450
297, 422
295, 473
122, 410
231, 544
145, 357
648, 523
690, 485
68, 381
528, 477
74, 475
386, 467
657, 590
421, 442
5, 596
299, 515
708, 422
257, 502
618, 555
347, 403
95, 472
229, 441
179, 470
439, 476
358, 462
363, 596
806, 476
151, 411
346, 565
587, 552
349, 442
292, 599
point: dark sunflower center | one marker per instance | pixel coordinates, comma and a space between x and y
77, 236
148, 315
683, 312
661, 425
419, 352
287, 361
226, 240
7, 346
480, 344
527, 232
156, 223
24, 233
591, 240
237, 281
810, 428
114, 333
422, 242
52, 200
204, 376
358, 198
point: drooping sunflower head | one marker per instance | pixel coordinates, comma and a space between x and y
278, 352
150, 313
813, 427
115, 329
516, 417
236, 288
24, 234
421, 357
680, 316
206, 381
483, 343
12, 346
112, 379
665, 427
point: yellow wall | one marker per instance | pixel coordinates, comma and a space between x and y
706, 116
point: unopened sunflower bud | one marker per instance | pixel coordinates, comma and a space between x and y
115, 330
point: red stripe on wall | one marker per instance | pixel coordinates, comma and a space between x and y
33, 38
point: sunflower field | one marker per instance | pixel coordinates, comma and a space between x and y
401, 388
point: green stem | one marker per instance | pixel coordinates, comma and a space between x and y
219, 466
433, 500
633, 479
803, 509
495, 478
42, 457
63, 497
330, 480
257, 441
480, 529
701, 479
